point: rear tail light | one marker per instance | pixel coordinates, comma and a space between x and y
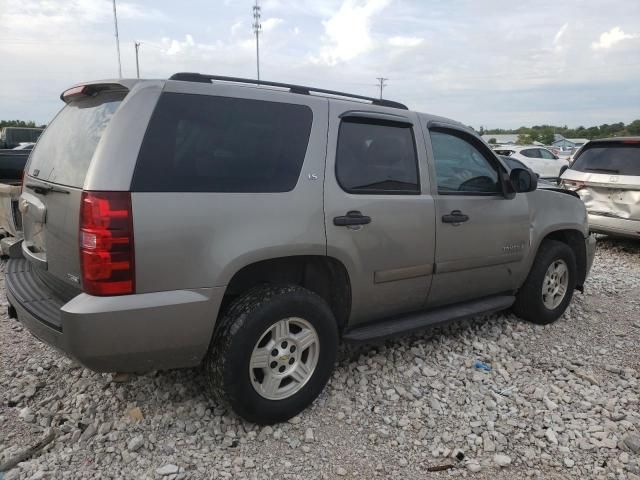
106, 243
573, 185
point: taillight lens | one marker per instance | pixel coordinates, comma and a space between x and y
106, 243
573, 185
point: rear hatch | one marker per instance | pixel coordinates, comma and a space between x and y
606, 175
54, 178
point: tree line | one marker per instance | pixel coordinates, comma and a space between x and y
544, 133
20, 123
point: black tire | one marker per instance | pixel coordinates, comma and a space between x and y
238, 331
529, 303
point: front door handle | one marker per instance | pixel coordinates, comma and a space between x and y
353, 217
455, 217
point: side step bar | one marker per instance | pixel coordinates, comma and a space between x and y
415, 321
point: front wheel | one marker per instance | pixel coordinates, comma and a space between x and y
273, 353
549, 287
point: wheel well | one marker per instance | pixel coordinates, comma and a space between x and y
575, 240
325, 276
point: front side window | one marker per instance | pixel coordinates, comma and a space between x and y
376, 157
546, 154
461, 167
204, 143
531, 153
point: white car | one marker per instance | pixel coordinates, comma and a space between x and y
541, 160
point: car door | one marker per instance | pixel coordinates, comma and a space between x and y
551, 163
379, 213
531, 158
482, 233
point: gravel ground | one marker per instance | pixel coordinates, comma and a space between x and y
560, 401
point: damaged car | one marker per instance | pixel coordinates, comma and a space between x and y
606, 175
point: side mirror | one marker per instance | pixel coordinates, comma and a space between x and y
523, 180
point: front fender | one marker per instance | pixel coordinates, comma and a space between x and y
551, 212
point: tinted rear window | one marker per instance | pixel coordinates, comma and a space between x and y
614, 158
202, 143
64, 151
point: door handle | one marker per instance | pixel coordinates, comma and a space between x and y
353, 217
455, 217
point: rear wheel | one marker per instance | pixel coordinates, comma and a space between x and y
549, 287
273, 353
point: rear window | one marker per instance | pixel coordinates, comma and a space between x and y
615, 158
506, 153
64, 151
203, 143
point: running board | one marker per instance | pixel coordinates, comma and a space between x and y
415, 321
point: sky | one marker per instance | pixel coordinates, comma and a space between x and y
491, 63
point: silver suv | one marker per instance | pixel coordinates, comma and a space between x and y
605, 173
249, 226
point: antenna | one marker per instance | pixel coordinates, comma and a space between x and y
137, 46
381, 81
115, 22
257, 28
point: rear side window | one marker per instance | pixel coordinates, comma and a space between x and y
202, 143
615, 158
377, 157
64, 151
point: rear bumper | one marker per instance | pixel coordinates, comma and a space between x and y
614, 226
129, 333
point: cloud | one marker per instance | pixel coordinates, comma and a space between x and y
271, 24
558, 37
347, 33
236, 27
406, 42
612, 37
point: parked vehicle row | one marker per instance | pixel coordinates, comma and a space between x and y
216, 220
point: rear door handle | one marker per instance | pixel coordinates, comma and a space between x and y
455, 217
353, 217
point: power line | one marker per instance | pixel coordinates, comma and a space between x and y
257, 27
115, 23
381, 84
137, 47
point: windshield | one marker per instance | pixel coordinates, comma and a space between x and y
614, 158
64, 151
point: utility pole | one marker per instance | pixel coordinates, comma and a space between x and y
381, 81
257, 27
137, 45
115, 22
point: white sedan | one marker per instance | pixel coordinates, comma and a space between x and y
541, 160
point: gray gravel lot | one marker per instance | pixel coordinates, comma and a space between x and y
561, 401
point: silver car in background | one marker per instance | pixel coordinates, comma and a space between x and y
606, 175
539, 159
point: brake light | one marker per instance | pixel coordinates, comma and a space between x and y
573, 185
81, 91
106, 243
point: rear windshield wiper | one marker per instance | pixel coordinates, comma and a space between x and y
43, 189
606, 170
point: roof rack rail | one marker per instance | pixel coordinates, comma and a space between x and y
299, 89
